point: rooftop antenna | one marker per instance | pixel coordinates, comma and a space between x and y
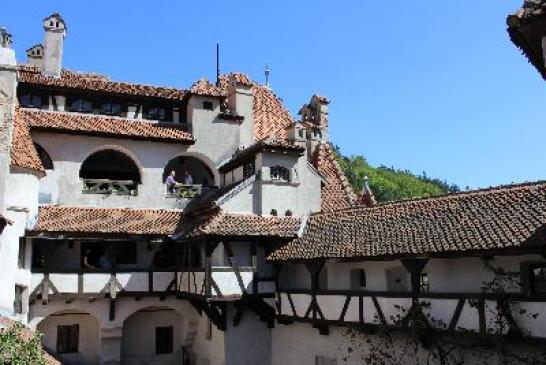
218, 64
267, 71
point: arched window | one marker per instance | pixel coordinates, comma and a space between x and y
30, 101
279, 173
199, 172
47, 163
288, 213
81, 106
109, 171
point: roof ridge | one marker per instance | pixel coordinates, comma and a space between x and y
88, 115
92, 207
480, 191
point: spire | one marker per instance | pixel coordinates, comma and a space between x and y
366, 197
267, 71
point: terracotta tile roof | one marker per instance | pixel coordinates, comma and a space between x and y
93, 82
337, 192
531, 8
489, 219
90, 124
70, 219
269, 144
206, 88
23, 152
271, 118
526, 28
26, 334
245, 225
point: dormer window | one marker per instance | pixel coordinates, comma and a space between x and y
30, 101
111, 109
81, 106
279, 173
157, 114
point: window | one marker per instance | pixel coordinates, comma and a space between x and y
358, 279
288, 213
249, 169
30, 101
156, 114
538, 279
47, 163
68, 338
22, 252
110, 165
208, 105
126, 253
81, 105
279, 173
163, 340
18, 301
110, 108
274, 212
423, 282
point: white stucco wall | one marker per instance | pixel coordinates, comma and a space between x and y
21, 206
63, 185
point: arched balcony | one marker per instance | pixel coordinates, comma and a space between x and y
187, 177
110, 172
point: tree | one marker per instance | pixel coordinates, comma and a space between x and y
19, 346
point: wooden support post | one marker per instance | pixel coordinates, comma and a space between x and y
208, 270
254, 264
415, 267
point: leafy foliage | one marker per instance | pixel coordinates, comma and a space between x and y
388, 183
18, 346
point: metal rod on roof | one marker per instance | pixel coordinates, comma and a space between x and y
218, 64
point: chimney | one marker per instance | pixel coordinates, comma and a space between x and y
35, 55
55, 31
240, 100
315, 114
366, 197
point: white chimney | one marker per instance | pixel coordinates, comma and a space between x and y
55, 31
35, 55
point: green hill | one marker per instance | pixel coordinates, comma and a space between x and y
388, 183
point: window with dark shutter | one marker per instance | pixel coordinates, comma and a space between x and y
163, 340
18, 302
68, 339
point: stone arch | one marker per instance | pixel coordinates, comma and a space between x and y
121, 149
71, 335
154, 333
110, 163
207, 164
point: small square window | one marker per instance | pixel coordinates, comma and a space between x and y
68, 339
208, 105
163, 340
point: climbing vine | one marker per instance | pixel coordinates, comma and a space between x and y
416, 337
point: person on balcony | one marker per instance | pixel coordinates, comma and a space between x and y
188, 179
171, 182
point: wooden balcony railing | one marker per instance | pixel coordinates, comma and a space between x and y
184, 191
471, 312
106, 186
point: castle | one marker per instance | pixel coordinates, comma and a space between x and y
155, 225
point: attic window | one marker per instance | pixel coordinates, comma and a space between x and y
279, 173
208, 105
157, 113
81, 106
274, 212
110, 108
288, 213
30, 101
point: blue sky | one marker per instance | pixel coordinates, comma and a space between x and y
423, 85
